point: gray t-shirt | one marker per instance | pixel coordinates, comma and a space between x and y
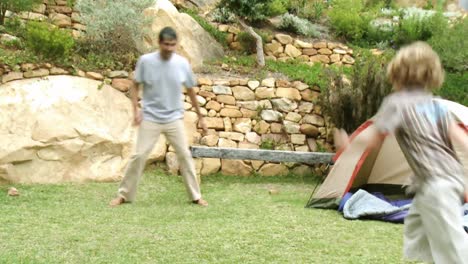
163, 81
420, 125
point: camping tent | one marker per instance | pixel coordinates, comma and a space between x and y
383, 169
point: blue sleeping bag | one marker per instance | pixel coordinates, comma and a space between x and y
375, 206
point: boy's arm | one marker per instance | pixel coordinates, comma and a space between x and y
458, 135
386, 121
374, 140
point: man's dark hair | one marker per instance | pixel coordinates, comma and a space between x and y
167, 33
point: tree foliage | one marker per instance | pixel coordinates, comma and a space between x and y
353, 98
48, 41
114, 24
250, 10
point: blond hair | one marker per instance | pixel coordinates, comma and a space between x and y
416, 66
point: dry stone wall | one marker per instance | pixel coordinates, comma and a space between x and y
57, 12
284, 47
240, 113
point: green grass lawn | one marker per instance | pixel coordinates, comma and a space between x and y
71, 223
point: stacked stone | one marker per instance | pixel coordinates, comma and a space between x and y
240, 113
58, 13
284, 47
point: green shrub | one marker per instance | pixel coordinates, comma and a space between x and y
16, 57
14, 26
115, 25
88, 57
48, 41
348, 19
14, 44
298, 25
250, 10
16, 6
222, 15
353, 98
249, 43
309, 9
452, 46
455, 88
268, 144
277, 7
71, 3
378, 34
221, 37
318, 8
419, 27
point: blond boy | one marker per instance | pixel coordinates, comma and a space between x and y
425, 132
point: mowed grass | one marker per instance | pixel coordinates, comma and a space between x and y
72, 223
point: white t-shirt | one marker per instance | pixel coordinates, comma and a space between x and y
163, 81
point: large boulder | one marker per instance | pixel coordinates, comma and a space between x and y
204, 5
64, 129
194, 42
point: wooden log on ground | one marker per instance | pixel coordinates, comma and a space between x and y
262, 154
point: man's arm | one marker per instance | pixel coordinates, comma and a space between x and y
134, 91
193, 99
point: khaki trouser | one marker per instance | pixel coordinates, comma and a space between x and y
434, 227
148, 136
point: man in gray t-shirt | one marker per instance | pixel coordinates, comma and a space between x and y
162, 75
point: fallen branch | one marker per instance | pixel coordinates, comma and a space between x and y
259, 42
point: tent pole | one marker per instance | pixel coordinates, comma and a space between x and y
317, 184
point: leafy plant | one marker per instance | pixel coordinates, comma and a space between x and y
353, 98
15, 6
379, 35
419, 27
455, 88
308, 9
116, 25
249, 43
268, 144
250, 10
14, 26
277, 7
15, 44
318, 8
298, 25
348, 19
71, 3
88, 58
48, 41
221, 37
452, 47
222, 15
12, 58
